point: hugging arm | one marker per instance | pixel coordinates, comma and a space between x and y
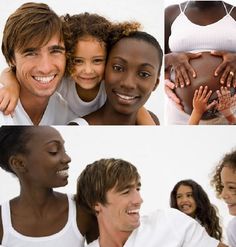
9, 93
144, 117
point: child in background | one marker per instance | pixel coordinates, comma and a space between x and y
190, 198
82, 86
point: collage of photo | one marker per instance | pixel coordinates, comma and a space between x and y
168, 66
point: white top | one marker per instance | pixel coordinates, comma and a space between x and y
56, 113
188, 36
231, 232
79, 107
168, 228
68, 236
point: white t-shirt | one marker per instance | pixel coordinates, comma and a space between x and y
231, 232
79, 107
69, 235
168, 228
56, 113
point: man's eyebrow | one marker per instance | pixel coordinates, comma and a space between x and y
57, 47
30, 49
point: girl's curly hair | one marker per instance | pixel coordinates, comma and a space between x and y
81, 25
228, 160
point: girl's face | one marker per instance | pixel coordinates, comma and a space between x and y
228, 180
131, 74
89, 62
185, 201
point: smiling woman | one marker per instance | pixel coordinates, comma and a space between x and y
22, 149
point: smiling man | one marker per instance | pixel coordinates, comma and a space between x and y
110, 189
34, 48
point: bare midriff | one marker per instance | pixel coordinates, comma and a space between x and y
204, 67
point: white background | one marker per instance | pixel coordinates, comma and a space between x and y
162, 155
149, 13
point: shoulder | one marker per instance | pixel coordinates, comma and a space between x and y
171, 12
155, 118
232, 223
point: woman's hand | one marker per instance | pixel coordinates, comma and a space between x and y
228, 66
169, 90
179, 63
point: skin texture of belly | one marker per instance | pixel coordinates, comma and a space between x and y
205, 67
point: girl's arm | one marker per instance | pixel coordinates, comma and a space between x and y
200, 105
9, 93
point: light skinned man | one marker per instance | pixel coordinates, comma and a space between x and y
34, 47
110, 189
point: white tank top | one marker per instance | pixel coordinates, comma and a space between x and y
187, 36
68, 236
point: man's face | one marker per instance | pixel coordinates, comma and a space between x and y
121, 213
40, 69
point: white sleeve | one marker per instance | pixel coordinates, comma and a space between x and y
192, 233
231, 232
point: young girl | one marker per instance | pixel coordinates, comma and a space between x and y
224, 182
190, 198
39, 216
132, 73
82, 86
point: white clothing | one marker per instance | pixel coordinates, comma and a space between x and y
168, 228
174, 116
80, 121
231, 232
56, 113
79, 107
68, 236
187, 36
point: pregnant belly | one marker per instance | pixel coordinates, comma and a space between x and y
205, 67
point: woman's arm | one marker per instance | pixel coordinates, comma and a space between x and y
9, 94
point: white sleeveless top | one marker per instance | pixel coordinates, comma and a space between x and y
187, 36
68, 236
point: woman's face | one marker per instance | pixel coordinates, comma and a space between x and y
89, 62
185, 201
46, 162
228, 180
131, 74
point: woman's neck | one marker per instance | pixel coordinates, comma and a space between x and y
205, 4
107, 115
